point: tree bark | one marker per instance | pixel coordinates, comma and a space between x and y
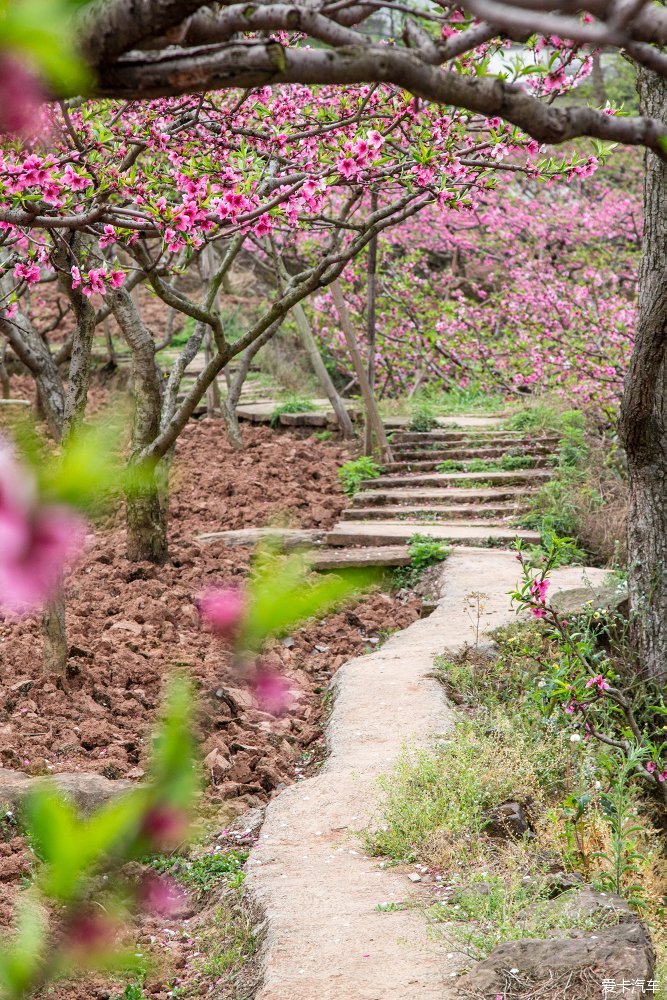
373, 417
643, 422
147, 501
235, 384
313, 352
342, 416
147, 506
54, 635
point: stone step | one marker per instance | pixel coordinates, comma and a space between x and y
444, 479
457, 421
449, 512
431, 465
344, 558
513, 438
349, 533
408, 453
439, 496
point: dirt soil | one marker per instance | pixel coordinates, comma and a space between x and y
130, 623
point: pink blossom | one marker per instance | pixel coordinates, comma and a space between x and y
271, 690
11, 310
109, 237
223, 610
539, 589
28, 272
36, 541
21, 95
651, 767
74, 181
347, 166
116, 278
599, 682
662, 776
160, 895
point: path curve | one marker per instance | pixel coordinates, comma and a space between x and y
324, 939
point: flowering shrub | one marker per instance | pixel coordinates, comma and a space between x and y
587, 686
530, 290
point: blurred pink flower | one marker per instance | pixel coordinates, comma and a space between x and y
21, 95
223, 610
165, 827
161, 895
90, 933
271, 690
36, 541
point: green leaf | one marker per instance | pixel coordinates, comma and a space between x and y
282, 593
20, 960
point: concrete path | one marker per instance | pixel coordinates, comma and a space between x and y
324, 937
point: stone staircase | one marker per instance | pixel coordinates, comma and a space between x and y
464, 506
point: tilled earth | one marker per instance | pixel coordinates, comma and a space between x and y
129, 624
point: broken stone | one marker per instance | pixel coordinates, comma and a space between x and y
527, 968
576, 599
21, 686
217, 765
508, 820
583, 903
88, 791
126, 626
414, 877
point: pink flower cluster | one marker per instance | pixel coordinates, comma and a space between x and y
598, 682
538, 590
36, 540
97, 280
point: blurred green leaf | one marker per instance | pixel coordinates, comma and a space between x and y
172, 771
41, 31
19, 962
282, 593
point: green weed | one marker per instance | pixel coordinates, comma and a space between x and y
423, 416
424, 552
291, 404
506, 463
353, 473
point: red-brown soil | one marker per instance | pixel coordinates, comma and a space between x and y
129, 624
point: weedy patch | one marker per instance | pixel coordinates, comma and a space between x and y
583, 815
424, 552
292, 404
205, 873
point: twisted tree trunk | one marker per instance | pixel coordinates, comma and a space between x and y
643, 422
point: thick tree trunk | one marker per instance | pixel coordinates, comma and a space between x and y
147, 501
643, 421
147, 504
